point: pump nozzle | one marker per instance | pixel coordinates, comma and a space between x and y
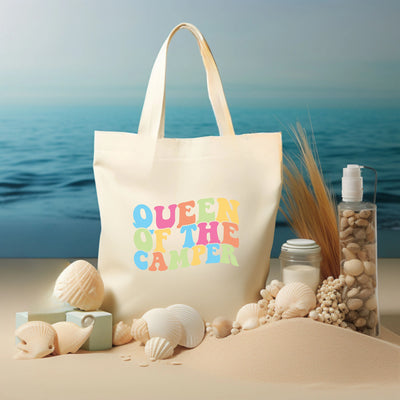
352, 183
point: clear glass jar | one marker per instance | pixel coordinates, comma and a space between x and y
300, 262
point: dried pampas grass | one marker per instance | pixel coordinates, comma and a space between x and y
309, 206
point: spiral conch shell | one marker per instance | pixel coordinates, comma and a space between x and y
249, 315
192, 324
121, 334
295, 299
81, 286
70, 337
37, 340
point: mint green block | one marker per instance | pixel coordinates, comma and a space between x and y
49, 316
101, 336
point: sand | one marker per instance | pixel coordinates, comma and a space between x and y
299, 350
291, 359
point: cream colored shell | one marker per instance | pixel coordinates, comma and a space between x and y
158, 348
193, 328
163, 323
248, 316
140, 331
221, 327
81, 286
37, 340
70, 337
295, 299
121, 334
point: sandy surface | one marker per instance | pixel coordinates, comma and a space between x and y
291, 359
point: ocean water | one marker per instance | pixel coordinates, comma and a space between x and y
47, 152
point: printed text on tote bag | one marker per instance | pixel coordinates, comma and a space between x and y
209, 229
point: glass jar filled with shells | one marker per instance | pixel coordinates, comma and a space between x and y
357, 238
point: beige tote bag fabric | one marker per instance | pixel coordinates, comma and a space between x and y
185, 220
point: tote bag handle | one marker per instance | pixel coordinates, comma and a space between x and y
152, 119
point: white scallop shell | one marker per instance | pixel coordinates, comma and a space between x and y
163, 323
81, 286
37, 340
121, 334
140, 331
192, 324
158, 348
70, 337
295, 299
248, 316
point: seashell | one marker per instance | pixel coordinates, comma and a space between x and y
121, 334
70, 337
81, 286
192, 324
370, 268
348, 255
353, 292
353, 247
354, 304
158, 348
221, 327
295, 299
349, 280
140, 331
37, 340
163, 323
353, 267
371, 303
248, 316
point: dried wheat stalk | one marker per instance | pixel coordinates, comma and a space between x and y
309, 207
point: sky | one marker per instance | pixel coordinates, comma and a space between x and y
335, 53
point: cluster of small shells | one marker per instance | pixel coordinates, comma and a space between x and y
330, 306
220, 327
267, 302
358, 246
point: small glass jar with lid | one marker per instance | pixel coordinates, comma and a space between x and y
300, 262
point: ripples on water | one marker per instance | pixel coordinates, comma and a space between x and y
47, 153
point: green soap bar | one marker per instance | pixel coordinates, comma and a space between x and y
49, 316
101, 336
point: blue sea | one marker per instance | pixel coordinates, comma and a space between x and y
48, 204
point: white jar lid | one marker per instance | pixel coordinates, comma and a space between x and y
301, 246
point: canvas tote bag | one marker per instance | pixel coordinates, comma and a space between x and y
185, 220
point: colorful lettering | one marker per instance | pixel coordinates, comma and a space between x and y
188, 231
165, 223
225, 210
143, 240
230, 229
139, 262
138, 220
158, 262
179, 259
161, 234
184, 217
197, 252
212, 258
205, 232
204, 208
227, 255
209, 227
